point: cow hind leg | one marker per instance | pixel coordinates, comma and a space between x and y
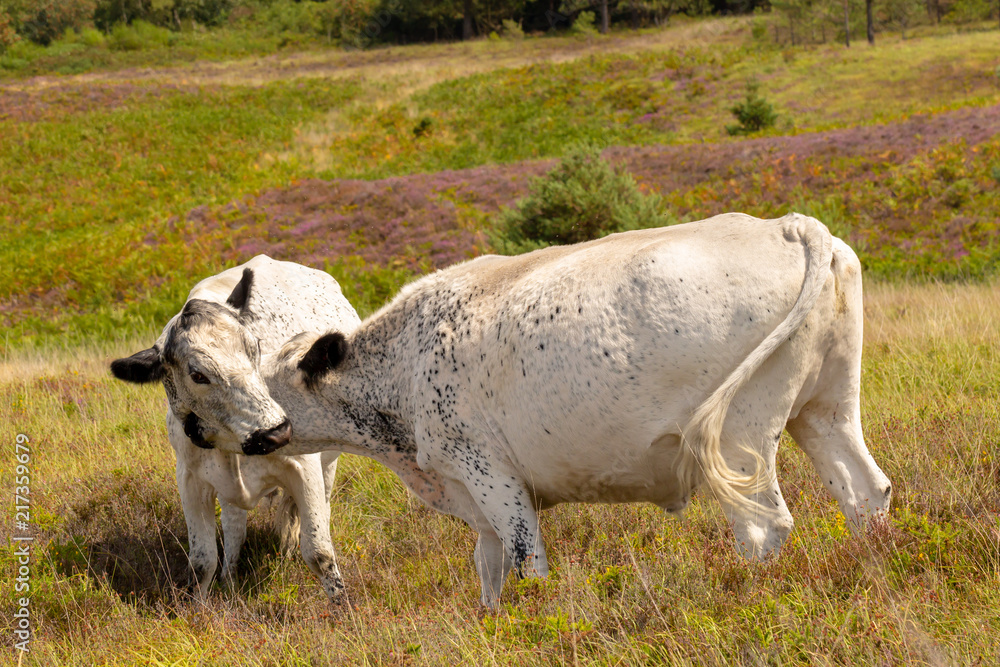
234, 533
286, 524
830, 434
828, 426
760, 532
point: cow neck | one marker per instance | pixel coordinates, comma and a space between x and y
375, 372
370, 389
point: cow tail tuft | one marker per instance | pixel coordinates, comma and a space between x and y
700, 458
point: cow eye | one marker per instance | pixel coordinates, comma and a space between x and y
199, 378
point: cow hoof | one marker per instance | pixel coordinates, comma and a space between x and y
336, 590
343, 602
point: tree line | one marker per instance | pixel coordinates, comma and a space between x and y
363, 23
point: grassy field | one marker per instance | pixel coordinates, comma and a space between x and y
629, 585
121, 186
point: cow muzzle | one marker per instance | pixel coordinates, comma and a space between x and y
264, 442
193, 430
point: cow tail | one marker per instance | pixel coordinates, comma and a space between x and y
701, 457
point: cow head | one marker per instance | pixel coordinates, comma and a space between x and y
209, 364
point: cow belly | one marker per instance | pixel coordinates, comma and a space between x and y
610, 473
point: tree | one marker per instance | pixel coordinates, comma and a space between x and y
605, 18
871, 23
847, 23
902, 13
467, 32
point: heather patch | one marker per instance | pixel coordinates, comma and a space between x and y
915, 198
398, 222
31, 104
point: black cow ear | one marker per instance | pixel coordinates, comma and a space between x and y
326, 353
140, 368
240, 298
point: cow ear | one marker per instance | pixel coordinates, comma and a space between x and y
326, 353
140, 368
240, 298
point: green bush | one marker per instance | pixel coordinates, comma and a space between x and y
512, 29
285, 16
45, 21
92, 37
163, 13
140, 35
754, 113
584, 24
582, 198
8, 36
970, 11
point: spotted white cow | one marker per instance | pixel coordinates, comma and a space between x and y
208, 350
637, 367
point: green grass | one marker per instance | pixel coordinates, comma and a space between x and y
678, 96
93, 201
628, 583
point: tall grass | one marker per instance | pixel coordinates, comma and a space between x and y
628, 584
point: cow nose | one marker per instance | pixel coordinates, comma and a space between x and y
887, 494
265, 442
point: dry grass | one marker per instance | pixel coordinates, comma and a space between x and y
629, 585
416, 66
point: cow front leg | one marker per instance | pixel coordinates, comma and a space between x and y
761, 530
504, 501
198, 501
493, 566
234, 534
304, 481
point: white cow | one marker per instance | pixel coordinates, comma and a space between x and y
637, 367
211, 346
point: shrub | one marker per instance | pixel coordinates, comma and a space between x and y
45, 21
140, 35
582, 198
512, 30
584, 24
970, 11
285, 16
163, 13
754, 113
354, 22
92, 37
206, 12
8, 36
